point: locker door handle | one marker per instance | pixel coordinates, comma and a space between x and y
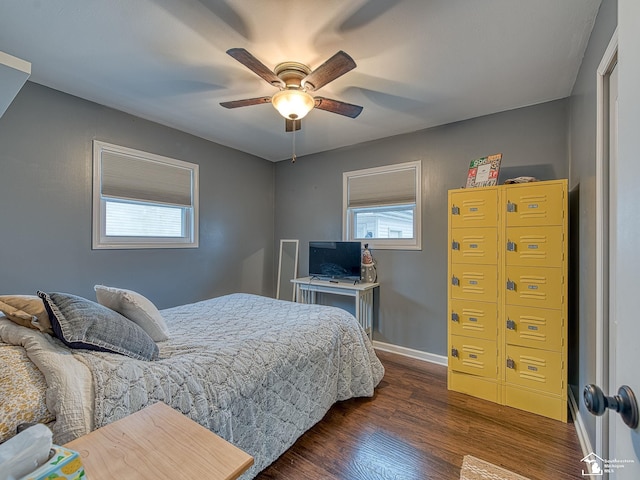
511, 207
455, 281
454, 352
510, 363
624, 403
455, 245
511, 285
455, 210
454, 317
511, 325
511, 246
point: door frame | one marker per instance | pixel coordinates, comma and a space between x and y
603, 265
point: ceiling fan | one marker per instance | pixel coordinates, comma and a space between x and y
295, 80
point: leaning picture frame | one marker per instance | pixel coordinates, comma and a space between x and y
483, 172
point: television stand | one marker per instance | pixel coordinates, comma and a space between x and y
307, 289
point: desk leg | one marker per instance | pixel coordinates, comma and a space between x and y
304, 295
358, 312
364, 311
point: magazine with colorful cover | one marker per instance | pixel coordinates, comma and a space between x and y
483, 172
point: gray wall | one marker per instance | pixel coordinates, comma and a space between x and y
582, 184
413, 293
45, 207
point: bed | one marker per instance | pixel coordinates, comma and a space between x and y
258, 372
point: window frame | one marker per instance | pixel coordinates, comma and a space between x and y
190, 214
348, 217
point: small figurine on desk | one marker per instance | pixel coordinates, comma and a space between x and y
368, 269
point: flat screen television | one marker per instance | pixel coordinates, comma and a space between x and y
337, 260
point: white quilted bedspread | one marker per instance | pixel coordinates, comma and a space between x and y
258, 372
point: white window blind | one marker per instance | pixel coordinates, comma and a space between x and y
138, 179
384, 188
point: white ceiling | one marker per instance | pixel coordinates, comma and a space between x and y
421, 63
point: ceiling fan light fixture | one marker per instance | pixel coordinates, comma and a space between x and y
292, 103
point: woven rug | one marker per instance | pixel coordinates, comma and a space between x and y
475, 469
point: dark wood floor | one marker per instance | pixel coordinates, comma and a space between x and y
414, 428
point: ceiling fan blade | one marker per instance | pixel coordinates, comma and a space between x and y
336, 106
246, 102
292, 125
255, 65
336, 66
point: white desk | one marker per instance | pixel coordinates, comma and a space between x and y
362, 293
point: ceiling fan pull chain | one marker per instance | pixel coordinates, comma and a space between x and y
293, 157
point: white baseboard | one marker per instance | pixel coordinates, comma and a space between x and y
583, 437
410, 352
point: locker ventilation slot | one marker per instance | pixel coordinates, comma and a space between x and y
536, 377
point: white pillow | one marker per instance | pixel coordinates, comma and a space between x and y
136, 308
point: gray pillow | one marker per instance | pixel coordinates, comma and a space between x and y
81, 323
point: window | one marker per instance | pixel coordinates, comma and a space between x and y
142, 200
382, 206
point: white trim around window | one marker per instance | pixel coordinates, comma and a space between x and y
142, 200
382, 206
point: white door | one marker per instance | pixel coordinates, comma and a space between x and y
625, 279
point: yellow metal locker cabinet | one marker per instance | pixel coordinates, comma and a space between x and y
474, 361
508, 295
